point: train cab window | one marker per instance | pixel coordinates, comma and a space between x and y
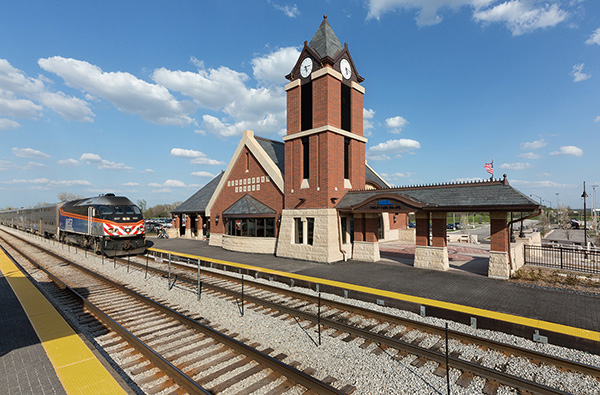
136, 210
104, 211
118, 210
128, 210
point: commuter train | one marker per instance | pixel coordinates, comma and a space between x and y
107, 224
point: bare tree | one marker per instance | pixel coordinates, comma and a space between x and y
544, 222
142, 204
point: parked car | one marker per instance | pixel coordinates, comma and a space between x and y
412, 225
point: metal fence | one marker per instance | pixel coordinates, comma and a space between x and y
567, 258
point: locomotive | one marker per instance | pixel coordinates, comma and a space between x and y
107, 224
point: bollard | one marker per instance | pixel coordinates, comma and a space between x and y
319, 318
199, 283
169, 284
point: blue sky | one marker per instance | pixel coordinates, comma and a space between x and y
149, 98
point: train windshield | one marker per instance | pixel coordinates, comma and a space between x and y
118, 209
105, 210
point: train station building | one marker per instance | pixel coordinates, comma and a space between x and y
312, 196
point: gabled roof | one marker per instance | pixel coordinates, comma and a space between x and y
476, 196
372, 177
198, 201
248, 206
275, 150
325, 42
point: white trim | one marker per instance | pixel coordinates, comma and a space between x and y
377, 174
292, 85
326, 128
261, 156
326, 71
358, 87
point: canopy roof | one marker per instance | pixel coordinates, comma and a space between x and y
492, 195
247, 206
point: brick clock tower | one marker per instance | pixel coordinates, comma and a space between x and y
324, 147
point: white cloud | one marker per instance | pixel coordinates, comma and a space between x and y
529, 155
5, 165
131, 184
197, 157
29, 153
523, 16
391, 147
227, 91
206, 161
22, 96
148, 171
69, 162
168, 183
533, 144
49, 183
7, 124
128, 93
541, 184
568, 150
34, 166
578, 74
269, 68
515, 166
203, 174
594, 38
290, 11
519, 16
597, 119
187, 153
102, 164
395, 124
467, 179
19, 108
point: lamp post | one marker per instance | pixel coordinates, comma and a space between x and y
584, 195
539, 197
594, 215
556, 199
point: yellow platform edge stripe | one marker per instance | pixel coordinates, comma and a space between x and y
514, 319
78, 370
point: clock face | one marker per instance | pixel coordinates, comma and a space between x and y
345, 69
306, 67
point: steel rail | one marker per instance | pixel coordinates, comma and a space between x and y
479, 370
167, 367
465, 337
291, 373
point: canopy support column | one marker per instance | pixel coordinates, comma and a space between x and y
499, 266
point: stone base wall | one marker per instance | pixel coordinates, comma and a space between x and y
366, 251
257, 245
215, 239
517, 249
172, 233
406, 235
325, 248
427, 257
499, 266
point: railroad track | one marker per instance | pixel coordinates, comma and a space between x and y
351, 322
167, 350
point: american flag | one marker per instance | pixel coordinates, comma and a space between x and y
489, 167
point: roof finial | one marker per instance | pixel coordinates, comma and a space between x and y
325, 16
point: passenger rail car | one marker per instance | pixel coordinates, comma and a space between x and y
108, 224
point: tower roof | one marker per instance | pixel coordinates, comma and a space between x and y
325, 42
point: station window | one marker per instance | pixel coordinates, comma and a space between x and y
346, 157
250, 227
304, 235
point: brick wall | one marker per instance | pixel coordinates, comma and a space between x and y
438, 229
293, 110
422, 230
268, 192
499, 232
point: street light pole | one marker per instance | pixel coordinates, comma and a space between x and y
539, 197
556, 199
594, 215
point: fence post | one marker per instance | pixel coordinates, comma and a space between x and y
561, 258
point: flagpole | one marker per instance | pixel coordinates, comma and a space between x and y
492, 177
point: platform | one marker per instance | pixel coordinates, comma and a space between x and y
558, 311
39, 352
